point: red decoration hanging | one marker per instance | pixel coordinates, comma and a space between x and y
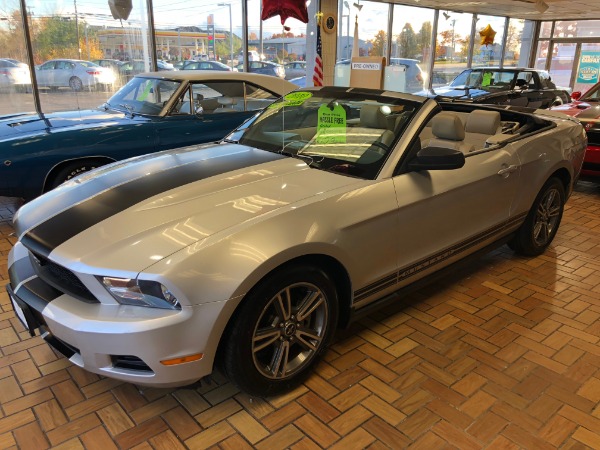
285, 9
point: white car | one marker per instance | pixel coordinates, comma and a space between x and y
73, 73
253, 250
14, 75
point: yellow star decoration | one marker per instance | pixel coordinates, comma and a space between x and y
487, 35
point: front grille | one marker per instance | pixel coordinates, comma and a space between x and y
61, 278
130, 362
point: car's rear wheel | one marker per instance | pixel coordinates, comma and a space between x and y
71, 170
543, 219
76, 84
280, 330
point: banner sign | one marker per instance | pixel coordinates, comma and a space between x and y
589, 67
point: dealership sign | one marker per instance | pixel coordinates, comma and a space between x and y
589, 67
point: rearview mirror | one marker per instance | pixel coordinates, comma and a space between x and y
437, 158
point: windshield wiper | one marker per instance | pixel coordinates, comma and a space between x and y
128, 108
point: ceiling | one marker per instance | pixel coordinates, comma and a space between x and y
523, 9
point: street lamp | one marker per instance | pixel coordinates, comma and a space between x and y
453, 23
347, 30
230, 31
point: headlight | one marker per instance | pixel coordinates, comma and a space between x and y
140, 292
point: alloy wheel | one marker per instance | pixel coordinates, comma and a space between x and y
290, 330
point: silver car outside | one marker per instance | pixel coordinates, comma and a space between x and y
73, 73
259, 246
14, 75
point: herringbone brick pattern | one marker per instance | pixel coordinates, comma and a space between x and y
504, 354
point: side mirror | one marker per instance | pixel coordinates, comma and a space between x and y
437, 158
576, 95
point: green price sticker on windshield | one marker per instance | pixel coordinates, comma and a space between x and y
487, 79
331, 125
292, 99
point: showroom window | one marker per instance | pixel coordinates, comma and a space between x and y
488, 54
15, 78
452, 46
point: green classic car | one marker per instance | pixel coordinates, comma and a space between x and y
153, 112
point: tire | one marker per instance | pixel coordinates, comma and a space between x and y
71, 170
542, 221
280, 331
76, 84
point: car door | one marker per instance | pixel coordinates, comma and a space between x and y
44, 73
62, 73
446, 214
536, 96
201, 121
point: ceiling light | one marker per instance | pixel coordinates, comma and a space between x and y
446, 15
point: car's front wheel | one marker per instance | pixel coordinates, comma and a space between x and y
280, 331
71, 170
543, 219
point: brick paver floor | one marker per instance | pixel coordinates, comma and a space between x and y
503, 354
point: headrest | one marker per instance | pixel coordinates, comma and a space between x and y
199, 97
372, 117
226, 101
483, 122
447, 126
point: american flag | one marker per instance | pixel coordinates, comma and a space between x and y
318, 73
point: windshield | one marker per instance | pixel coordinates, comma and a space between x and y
347, 133
487, 80
144, 95
593, 95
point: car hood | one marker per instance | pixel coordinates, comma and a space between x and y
129, 215
447, 92
32, 123
580, 109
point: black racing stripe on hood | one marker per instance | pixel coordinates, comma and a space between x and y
48, 235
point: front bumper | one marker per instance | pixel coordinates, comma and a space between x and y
117, 341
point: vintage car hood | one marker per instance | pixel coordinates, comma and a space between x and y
32, 123
580, 109
127, 216
447, 92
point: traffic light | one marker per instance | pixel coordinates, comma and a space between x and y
120, 9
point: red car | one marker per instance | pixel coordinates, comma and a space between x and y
586, 108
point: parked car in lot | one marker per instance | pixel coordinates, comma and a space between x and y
586, 108
206, 65
295, 69
129, 69
14, 75
509, 86
153, 112
73, 73
264, 67
253, 250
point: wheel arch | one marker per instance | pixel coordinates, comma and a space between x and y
51, 175
565, 178
330, 265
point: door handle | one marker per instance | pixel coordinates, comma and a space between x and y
507, 170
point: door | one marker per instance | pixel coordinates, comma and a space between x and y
450, 213
44, 74
200, 116
62, 73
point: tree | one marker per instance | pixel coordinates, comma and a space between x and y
252, 36
378, 44
424, 41
406, 42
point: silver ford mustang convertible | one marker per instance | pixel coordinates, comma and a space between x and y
249, 253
